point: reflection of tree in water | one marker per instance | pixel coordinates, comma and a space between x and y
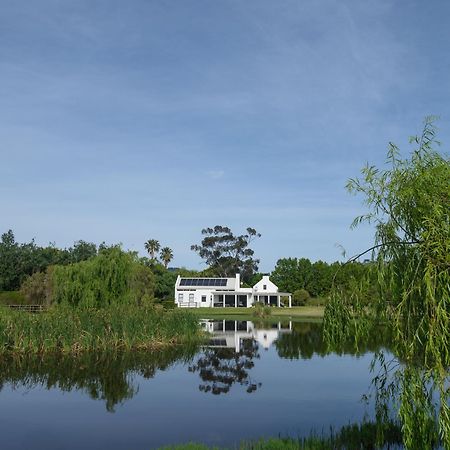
220, 368
307, 340
408, 387
103, 376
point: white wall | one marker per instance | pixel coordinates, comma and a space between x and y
270, 287
198, 294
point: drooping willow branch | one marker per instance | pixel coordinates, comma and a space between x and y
374, 247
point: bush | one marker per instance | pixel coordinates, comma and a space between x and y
300, 297
260, 310
36, 289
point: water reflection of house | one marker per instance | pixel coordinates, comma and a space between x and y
231, 333
227, 292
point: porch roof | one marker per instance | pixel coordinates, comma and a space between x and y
231, 292
280, 294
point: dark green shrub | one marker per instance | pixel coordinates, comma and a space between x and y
36, 289
300, 297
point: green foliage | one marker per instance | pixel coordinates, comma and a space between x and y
64, 329
12, 298
142, 284
260, 310
101, 281
164, 282
112, 277
37, 289
292, 274
166, 256
152, 246
17, 261
300, 297
228, 254
409, 203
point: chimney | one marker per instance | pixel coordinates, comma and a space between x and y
238, 282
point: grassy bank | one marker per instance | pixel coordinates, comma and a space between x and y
306, 312
367, 435
73, 330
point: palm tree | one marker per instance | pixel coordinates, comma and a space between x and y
166, 256
152, 246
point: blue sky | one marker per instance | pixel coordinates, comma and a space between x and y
124, 121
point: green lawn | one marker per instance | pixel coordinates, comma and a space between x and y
247, 313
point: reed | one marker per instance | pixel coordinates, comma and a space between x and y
64, 329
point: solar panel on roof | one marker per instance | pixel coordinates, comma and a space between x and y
216, 282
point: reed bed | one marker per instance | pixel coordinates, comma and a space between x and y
66, 329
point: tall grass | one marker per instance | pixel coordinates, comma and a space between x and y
72, 330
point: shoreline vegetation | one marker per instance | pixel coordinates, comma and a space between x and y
353, 436
67, 330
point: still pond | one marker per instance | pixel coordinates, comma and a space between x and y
252, 380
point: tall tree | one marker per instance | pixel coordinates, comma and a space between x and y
152, 246
166, 256
226, 253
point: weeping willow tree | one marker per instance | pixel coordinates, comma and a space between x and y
409, 205
112, 277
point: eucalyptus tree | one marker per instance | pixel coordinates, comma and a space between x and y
152, 246
226, 253
166, 256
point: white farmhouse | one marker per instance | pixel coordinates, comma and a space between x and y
227, 292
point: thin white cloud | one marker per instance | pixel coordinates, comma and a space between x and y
215, 174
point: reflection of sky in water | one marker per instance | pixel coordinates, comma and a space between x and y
295, 397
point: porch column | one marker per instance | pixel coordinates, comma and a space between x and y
223, 301
278, 301
235, 300
290, 301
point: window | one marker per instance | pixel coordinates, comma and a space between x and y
180, 298
203, 298
265, 287
191, 298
